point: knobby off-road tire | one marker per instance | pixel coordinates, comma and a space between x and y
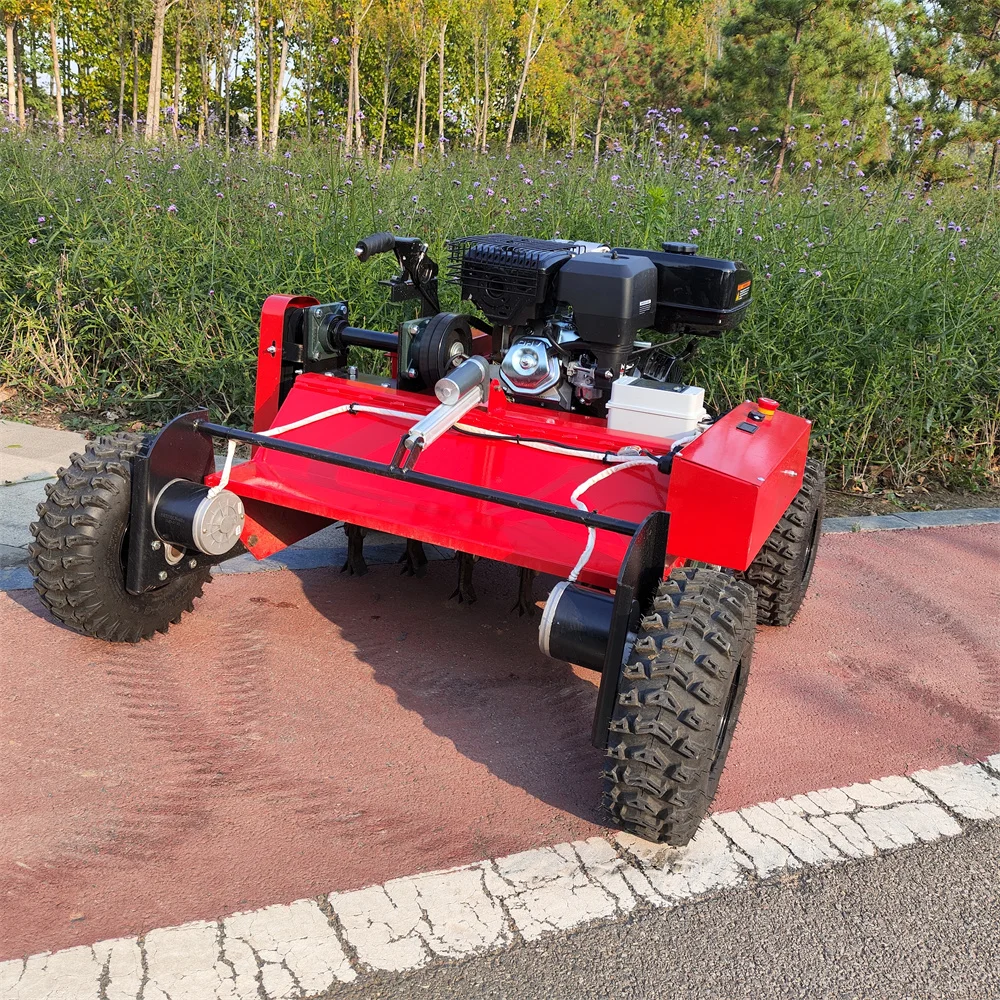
679, 695
781, 572
80, 547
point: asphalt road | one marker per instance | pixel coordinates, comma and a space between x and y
919, 924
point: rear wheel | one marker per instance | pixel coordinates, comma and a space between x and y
783, 568
80, 547
679, 695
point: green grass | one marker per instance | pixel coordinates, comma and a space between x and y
140, 290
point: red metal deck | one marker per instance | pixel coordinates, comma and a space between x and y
481, 528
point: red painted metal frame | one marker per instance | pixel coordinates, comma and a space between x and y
269, 355
726, 491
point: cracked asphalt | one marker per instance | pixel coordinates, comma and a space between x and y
919, 924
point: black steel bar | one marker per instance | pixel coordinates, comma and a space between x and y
584, 517
357, 336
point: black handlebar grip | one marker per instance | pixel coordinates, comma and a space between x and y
375, 244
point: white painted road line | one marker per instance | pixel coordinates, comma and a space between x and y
307, 947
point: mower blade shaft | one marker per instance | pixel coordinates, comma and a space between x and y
525, 604
414, 559
465, 592
355, 564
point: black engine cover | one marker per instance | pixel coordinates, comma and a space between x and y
703, 295
613, 296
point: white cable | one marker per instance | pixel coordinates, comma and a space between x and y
295, 425
617, 462
588, 549
226, 469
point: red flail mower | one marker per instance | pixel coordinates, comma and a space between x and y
541, 433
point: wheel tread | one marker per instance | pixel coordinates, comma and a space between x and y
777, 573
658, 776
68, 556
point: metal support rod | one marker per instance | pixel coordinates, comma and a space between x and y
356, 336
529, 504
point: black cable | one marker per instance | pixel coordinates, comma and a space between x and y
519, 439
606, 456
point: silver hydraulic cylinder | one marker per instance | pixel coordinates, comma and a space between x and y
459, 392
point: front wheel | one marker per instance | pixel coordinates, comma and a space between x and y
80, 546
679, 695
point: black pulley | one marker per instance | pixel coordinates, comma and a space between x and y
445, 341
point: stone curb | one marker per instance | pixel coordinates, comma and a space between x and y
914, 519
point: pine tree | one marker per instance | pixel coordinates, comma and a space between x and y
948, 84
795, 69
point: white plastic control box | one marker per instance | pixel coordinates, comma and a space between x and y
656, 409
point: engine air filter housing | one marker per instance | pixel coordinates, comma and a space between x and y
613, 296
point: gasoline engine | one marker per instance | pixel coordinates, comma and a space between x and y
562, 318
566, 315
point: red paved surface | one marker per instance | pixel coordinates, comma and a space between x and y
304, 733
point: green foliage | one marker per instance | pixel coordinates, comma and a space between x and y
948, 95
800, 64
132, 278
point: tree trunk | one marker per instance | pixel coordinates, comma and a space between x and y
203, 98
308, 81
441, 40
385, 100
350, 111
227, 58
121, 86
257, 72
11, 73
135, 77
486, 95
421, 100
522, 81
600, 124
789, 106
476, 94
270, 61
288, 26
57, 80
155, 72
19, 54
177, 79
354, 125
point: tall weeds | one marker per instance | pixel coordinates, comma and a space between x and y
132, 278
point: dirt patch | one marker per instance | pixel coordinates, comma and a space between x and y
841, 503
57, 416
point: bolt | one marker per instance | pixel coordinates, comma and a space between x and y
155, 545
162, 576
192, 563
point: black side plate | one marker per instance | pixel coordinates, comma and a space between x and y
638, 579
178, 451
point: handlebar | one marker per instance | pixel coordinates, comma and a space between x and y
375, 244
